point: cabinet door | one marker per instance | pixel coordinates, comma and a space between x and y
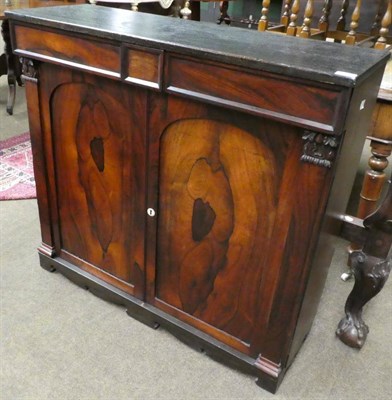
229, 211
95, 144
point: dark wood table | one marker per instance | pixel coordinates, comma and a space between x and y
8, 62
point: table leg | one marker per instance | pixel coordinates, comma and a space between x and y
3, 65
375, 178
371, 267
11, 70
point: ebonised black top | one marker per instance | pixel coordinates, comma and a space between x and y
304, 58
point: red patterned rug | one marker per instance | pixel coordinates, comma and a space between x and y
16, 169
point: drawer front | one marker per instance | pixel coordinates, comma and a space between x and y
276, 98
94, 56
144, 67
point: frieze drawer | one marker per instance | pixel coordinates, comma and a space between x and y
260, 94
143, 66
92, 55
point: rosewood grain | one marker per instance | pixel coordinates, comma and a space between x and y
281, 99
215, 276
144, 67
90, 154
202, 206
89, 54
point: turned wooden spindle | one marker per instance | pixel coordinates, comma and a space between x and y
351, 36
263, 23
175, 9
292, 28
377, 19
374, 179
224, 16
341, 25
285, 19
324, 20
186, 11
385, 24
305, 30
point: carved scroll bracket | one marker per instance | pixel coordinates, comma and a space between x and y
319, 149
29, 69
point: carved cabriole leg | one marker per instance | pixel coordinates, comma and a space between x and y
370, 275
30, 75
10, 61
371, 267
385, 24
186, 11
351, 36
263, 23
292, 28
305, 30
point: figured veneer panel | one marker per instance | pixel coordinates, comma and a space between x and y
218, 197
102, 216
144, 67
97, 57
277, 98
231, 255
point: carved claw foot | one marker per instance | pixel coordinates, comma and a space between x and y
352, 332
370, 274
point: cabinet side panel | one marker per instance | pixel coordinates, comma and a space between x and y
357, 126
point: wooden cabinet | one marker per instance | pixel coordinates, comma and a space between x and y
197, 188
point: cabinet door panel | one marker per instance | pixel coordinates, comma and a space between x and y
218, 199
99, 157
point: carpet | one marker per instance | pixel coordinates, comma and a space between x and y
16, 169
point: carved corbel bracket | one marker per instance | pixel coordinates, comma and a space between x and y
319, 149
29, 69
